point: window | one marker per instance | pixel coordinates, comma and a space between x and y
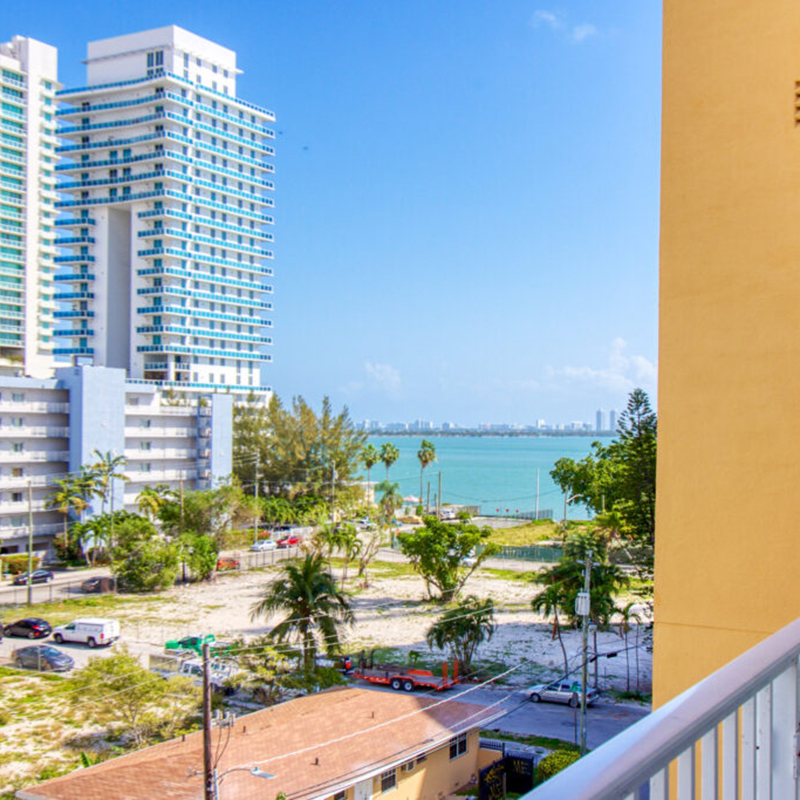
17, 422
18, 447
388, 780
146, 423
17, 397
16, 497
458, 746
17, 472
145, 445
146, 467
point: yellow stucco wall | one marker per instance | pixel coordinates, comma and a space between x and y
727, 567
435, 777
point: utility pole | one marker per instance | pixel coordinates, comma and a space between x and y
536, 512
208, 765
439, 505
255, 509
583, 608
428, 501
180, 484
30, 542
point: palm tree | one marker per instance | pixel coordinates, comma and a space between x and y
152, 498
390, 501
370, 456
462, 629
106, 469
348, 542
426, 455
308, 593
389, 454
70, 496
548, 602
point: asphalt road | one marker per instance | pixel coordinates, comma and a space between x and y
604, 720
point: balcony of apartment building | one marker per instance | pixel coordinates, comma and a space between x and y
734, 735
32, 406
37, 431
155, 475
167, 453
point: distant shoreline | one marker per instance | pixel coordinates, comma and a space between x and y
492, 434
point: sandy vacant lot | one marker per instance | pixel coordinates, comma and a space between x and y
392, 613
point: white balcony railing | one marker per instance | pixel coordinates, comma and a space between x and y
154, 477
21, 431
34, 405
146, 433
10, 457
735, 734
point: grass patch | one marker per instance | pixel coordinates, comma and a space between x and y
66, 610
544, 742
508, 574
637, 697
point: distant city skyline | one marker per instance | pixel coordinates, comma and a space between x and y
604, 423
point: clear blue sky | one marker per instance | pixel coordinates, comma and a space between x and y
466, 193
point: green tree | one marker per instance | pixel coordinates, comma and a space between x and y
315, 608
349, 545
389, 454
621, 478
445, 555
209, 511
550, 601
141, 560
299, 451
607, 579
426, 455
370, 456
145, 708
69, 496
151, 498
106, 470
391, 500
462, 629
263, 668
199, 552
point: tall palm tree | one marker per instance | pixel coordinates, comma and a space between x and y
391, 499
308, 593
426, 455
107, 469
70, 496
389, 454
370, 456
551, 601
152, 498
462, 629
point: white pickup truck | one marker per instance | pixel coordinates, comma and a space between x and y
93, 631
169, 665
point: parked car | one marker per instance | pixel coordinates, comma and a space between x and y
29, 628
226, 563
561, 692
37, 576
263, 546
98, 585
42, 657
92, 631
289, 541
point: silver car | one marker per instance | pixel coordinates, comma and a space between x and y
263, 546
568, 692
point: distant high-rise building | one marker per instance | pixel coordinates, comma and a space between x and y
612, 420
169, 203
28, 78
600, 423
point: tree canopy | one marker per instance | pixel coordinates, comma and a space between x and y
446, 554
462, 629
621, 477
297, 451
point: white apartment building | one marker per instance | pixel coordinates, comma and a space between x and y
51, 427
169, 188
28, 85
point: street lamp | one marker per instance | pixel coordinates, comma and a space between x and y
567, 501
254, 771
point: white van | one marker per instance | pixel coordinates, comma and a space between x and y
92, 631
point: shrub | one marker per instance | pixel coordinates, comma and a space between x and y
17, 563
555, 762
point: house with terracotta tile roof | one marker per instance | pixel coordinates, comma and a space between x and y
342, 744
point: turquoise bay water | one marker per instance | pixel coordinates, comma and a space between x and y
496, 473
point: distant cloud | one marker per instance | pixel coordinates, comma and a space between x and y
582, 32
384, 376
548, 18
622, 374
576, 34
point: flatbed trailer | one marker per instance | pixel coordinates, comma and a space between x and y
406, 678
